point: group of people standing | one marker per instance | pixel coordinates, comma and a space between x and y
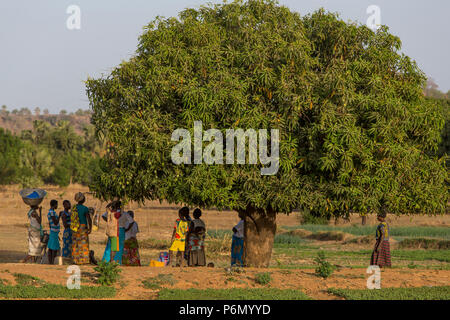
188, 239
187, 243
121, 229
122, 244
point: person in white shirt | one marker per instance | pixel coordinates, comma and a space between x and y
237, 243
130, 255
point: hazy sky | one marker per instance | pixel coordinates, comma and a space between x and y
43, 63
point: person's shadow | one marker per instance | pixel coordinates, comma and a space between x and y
7, 256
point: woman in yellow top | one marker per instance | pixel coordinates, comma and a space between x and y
179, 237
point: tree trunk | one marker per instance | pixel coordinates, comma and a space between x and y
363, 219
259, 233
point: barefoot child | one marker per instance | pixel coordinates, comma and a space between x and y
179, 237
381, 255
53, 242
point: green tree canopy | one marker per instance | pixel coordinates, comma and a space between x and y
354, 125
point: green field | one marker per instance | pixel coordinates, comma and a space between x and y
359, 230
232, 294
423, 293
424, 247
29, 287
55, 291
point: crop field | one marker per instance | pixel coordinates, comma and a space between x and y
419, 247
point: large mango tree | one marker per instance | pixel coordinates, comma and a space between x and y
354, 127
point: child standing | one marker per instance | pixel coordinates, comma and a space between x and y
53, 242
381, 255
179, 237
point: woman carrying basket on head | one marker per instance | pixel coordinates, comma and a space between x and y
34, 234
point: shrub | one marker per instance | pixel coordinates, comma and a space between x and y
308, 217
324, 269
263, 278
423, 243
109, 273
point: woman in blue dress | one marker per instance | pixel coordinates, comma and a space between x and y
67, 235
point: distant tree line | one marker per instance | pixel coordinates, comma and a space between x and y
37, 112
53, 154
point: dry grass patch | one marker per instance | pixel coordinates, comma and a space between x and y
423, 243
331, 236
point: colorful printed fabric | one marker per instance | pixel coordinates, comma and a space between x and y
80, 245
181, 228
382, 257
53, 241
131, 253
67, 243
382, 231
68, 216
196, 242
196, 251
178, 245
53, 227
74, 219
237, 251
118, 255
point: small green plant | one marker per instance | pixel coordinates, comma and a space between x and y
263, 278
156, 282
23, 279
324, 269
109, 273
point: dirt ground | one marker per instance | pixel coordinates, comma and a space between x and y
130, 285
156, 222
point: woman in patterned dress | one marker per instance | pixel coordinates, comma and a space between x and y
196, 241
381, 255
131, 246
67, 235
80, 237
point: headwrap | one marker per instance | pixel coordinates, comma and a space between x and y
79, 196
